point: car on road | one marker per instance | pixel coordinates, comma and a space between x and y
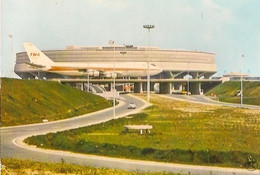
186, 92
131, 105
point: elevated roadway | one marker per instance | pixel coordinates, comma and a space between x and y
136, 80
166, 86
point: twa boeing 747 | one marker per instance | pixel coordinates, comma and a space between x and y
40, 62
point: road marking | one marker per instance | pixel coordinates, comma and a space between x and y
130, 164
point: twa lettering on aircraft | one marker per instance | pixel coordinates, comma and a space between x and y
35, 54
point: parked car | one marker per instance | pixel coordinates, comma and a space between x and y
186, 92
131, 105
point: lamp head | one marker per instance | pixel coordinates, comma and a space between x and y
111, 42
148, 26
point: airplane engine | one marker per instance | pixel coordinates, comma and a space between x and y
107, 75
93, 73
96, 73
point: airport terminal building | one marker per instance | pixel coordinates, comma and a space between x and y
175, 65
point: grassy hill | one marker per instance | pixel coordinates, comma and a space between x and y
31, 101
228, 92
182, 132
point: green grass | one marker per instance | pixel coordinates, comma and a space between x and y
182, 133
28, 167
228, 91
31, 101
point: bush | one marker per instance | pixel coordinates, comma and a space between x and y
208, 157
147, 151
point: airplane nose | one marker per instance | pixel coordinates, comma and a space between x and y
155, 71
159, 71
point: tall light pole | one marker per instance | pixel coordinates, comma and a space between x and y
88, 77
123, 53
149, 27
111, 42
241, 81
188, 84
88, 81
11, 56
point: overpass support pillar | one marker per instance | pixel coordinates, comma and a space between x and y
165, 88
194, 75
152, 86
74, 85
195, 88
144, 85
79, 86
110, 86
177, 86
138, 88
40, 75
82, 86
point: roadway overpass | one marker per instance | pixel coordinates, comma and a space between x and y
166, 86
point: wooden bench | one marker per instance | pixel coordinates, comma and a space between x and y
45, 121
139, 127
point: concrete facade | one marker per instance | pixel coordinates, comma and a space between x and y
175, 64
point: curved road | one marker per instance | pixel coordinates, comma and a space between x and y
12, 145
206, 100
8, 134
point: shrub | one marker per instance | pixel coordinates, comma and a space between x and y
147, 151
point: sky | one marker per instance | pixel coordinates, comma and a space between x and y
227, 28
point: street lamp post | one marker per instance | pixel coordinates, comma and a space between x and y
88, 77
88, 81
129, 85
241, 81
111, 42
11, 57
149, 27
123, 53
188, 84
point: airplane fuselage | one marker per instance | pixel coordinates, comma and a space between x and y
123, 69
39, 61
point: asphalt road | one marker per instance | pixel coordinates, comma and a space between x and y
8, 134
205, 100
12, 146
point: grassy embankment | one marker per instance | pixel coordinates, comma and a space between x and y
183, 133
27, 167
228, 91
31, 101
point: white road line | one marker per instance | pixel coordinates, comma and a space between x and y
128, 164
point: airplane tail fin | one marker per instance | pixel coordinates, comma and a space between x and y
36, 56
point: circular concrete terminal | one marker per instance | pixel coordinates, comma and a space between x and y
174, 63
